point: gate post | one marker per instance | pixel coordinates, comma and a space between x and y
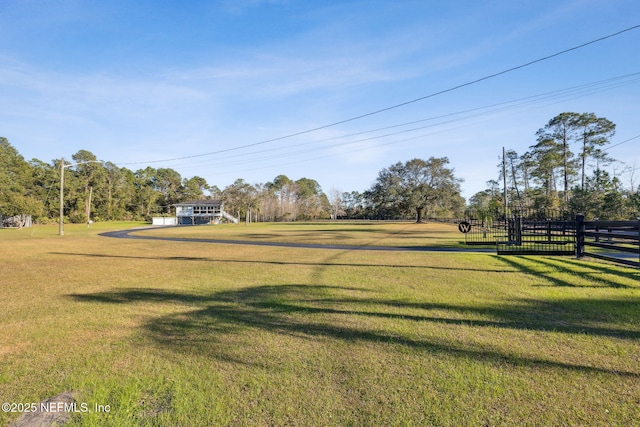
580, 236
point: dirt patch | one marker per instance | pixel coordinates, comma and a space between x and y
51, 412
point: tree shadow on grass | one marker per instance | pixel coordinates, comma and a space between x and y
279, 262
603, 268
310, 312
580, 272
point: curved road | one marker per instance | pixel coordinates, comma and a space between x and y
126, 234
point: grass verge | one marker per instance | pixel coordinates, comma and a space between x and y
398, 234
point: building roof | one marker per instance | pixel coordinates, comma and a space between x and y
203, 202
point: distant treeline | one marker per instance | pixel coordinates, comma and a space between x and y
563, 171
97, 190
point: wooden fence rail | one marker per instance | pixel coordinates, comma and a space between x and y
617, 241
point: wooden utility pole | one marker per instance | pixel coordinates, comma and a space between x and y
89, 206
504, 179
61, 223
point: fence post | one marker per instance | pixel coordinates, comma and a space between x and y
580, 236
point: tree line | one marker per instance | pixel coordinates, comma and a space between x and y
97, 190
564, 171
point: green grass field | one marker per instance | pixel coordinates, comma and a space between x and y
197, 334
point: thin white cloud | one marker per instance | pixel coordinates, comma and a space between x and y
340, 62
241, 6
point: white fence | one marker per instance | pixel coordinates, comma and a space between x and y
164, 220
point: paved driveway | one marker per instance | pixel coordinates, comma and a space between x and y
126, 234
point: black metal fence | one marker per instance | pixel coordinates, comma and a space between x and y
543, 237
484, 227
518, 231
616, 241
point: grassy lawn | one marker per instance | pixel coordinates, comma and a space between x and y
176, 333
350, 233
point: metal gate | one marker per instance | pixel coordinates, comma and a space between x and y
483, 227
517, 231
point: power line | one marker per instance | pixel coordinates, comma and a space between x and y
623, 142
557, 95
338, 154
382, 110
543, 98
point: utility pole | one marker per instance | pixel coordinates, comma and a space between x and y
89, 207
62, 166
504, 180
61, 223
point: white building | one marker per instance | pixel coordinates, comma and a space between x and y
197, 212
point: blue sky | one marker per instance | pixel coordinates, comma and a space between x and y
210, 88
